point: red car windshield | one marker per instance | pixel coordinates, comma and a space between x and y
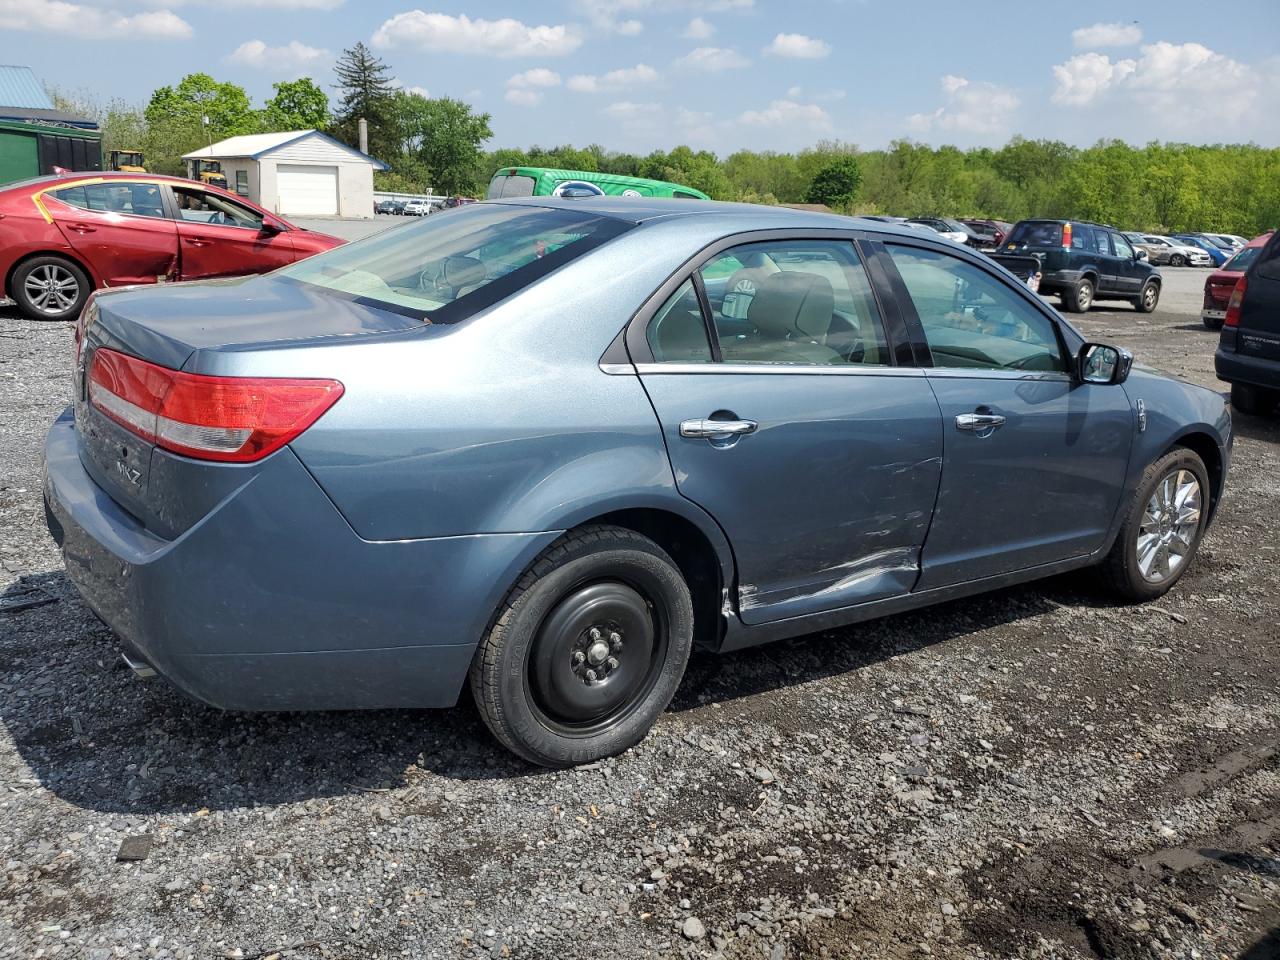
1242, 259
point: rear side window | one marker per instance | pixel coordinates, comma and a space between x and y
794, 302
446, 268
135, 199
677, 333
1082, 237
1037, 233
973, 320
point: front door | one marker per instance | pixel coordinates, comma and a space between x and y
1034, 461
793, 429
219, 237
119, 227
1132, 273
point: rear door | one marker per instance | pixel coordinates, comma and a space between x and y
793, 425
119, 227
220, 237
1034, 461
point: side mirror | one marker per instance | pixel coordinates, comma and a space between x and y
272, 227
1141, 255
1100, 363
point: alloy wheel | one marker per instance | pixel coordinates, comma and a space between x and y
1169, 526
1149, 296
1084, 297
51, 288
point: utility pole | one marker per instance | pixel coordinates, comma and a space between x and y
363, 126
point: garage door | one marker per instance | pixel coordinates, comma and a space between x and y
306, 190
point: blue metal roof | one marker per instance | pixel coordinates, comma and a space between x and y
20, 88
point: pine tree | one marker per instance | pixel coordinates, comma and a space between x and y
365, 90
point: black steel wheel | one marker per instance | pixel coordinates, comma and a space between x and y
587, 649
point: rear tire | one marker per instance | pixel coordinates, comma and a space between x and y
586, 650
1255, 401
1079, 298
50, 288
1166, 513
1149, 298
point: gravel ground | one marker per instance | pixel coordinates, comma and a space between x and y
1033, 773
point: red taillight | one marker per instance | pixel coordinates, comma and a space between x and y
1066, 236
1233, 305
235, 419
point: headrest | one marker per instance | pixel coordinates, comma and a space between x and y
792, 303
462, 271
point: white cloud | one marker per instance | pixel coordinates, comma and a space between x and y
292, 56
418, 91
712, 59
461, 34
525, 89
276, 4
57, 16
798, 47
969, 107
698, 29
693, 118
627, 110
788, 113
1182, 83
1107, 35
614, 79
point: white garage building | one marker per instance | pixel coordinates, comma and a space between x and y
301, 173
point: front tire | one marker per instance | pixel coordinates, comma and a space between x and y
1148, 298
1161, 531
1255, 401
1079, 298
50, 288
1177, 260
586, 650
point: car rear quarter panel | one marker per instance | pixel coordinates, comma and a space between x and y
505, 423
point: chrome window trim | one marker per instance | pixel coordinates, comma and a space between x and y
998, 373
800, 369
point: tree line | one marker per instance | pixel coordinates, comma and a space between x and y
438, 143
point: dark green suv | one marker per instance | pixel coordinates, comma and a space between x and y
1082, 262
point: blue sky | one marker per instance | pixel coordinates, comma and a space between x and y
717, 74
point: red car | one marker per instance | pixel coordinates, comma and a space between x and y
1219, 284
63, 236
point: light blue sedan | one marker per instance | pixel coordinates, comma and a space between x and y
547, 447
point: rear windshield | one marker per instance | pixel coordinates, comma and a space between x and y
1243, 259
1036, 233
446, 267
511, 186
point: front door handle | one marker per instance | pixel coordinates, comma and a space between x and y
983, 424
716, 429
198, 243
81, 228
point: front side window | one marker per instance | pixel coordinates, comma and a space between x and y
973, 320
197, 206
135, 199
799, 302
1121, 245
429, 265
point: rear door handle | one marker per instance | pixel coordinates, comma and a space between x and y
198, 243
983, 424
716, 429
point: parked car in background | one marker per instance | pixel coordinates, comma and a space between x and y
1248, 355
1219, 285
385, 206
1217, 255
1084, 262
953, 230
62, 236
683, 460
417, 208
555, 182
990, 233
1166, 250
1228, 241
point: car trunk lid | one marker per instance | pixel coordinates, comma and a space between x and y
167, 327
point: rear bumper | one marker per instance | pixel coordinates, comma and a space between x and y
1055, 281
1234, 367
271, 602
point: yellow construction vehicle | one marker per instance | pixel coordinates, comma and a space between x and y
128, 161
208, 172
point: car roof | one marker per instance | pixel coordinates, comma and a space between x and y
733, 217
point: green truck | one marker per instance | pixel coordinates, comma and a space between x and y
30, 149
551, 182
